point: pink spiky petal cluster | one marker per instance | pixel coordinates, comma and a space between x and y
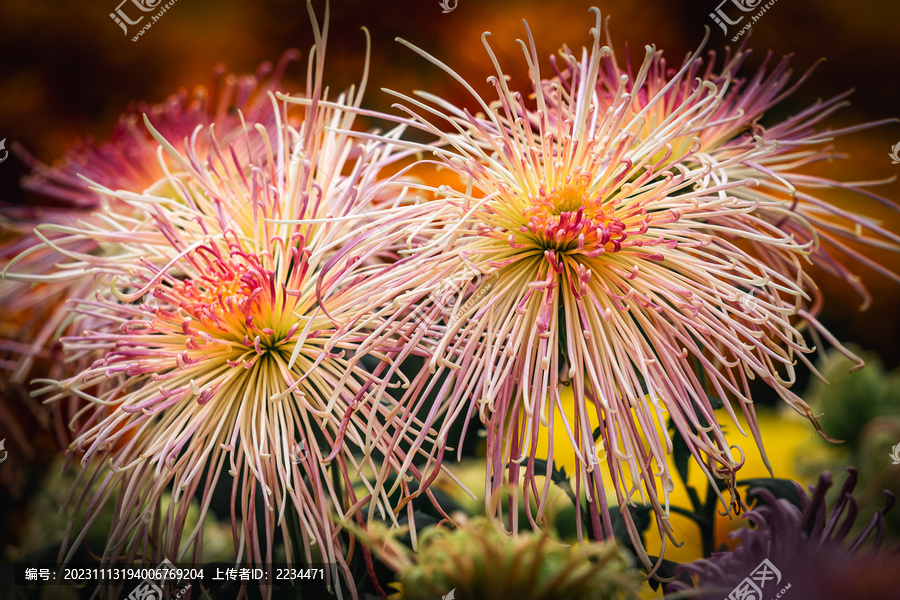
617, 234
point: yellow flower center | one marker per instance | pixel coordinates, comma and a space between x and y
569, 217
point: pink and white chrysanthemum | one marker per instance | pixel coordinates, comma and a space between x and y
219, 353
596, 248
34, 315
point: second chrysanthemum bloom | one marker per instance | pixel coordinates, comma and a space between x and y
598, 245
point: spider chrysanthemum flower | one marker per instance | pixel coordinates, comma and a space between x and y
219, 353
35, 314
593, 248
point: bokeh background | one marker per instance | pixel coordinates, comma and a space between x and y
67, 71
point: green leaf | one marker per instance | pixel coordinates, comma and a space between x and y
640, 514
780, 488
681, 455
666, 571
557, 476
